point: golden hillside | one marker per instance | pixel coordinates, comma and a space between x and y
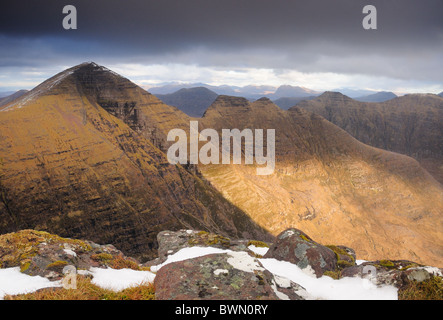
71, 167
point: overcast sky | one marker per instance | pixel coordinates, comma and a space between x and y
319, 44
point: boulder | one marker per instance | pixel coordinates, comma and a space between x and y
169, 242
398, 273
297, 247
226, 276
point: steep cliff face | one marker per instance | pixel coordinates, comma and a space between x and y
326, 182
411, 124
78, 159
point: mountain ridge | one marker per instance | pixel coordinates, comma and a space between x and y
410, 124
325, 178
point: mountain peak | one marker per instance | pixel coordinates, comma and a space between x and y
293, 91
231, 101
333, 94
224, 104
89, 76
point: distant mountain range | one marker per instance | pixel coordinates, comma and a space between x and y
194, 99
254, 92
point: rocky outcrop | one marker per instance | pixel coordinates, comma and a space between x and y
295, 246
171, 242
398, 273
221, 276
44, 254
227, 276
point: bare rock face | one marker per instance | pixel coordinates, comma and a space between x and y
295, 246
227, 276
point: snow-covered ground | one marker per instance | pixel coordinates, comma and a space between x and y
14, 282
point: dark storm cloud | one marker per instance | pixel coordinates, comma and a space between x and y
171, 23
311, 36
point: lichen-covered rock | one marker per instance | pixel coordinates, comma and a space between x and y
169, 242
227, 276
295, 246
398, 273
44, 254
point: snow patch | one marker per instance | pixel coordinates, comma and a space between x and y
258, 250
12, 282
243, 261
279, 294
218, 271
328, 288
188, 253
120, 279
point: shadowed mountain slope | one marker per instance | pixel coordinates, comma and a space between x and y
411, 124
192, 101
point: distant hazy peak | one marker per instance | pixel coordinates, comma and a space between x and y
333, 95
264, 99
380, 96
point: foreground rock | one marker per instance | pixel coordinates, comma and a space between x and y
233, 272
397, 273
297, 247
226, 276
44, 254
169, 242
